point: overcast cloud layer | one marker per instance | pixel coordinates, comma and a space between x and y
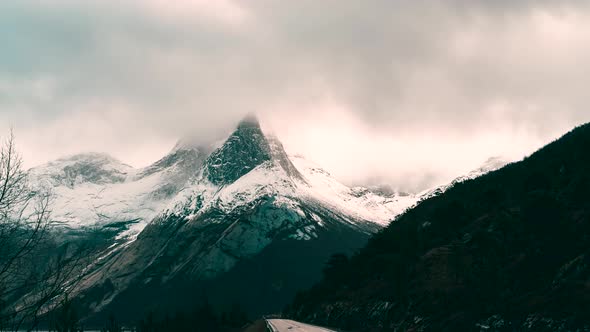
405, 92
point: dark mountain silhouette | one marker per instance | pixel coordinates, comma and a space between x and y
508, 251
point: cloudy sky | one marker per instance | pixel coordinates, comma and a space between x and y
405, 92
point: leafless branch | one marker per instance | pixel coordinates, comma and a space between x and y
30, 278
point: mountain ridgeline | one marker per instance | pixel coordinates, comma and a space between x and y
507, 251
245, 149
228, 224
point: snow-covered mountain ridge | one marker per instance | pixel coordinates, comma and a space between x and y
203, 214
242, 198
93, 190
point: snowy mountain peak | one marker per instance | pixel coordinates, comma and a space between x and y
97, 168
92, 158
245, 149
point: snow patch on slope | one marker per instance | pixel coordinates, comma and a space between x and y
94, 168
490, 165
95, 190
359, 202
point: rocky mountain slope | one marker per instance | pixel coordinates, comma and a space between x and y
238, 221
92, 191
201, 220
507, 251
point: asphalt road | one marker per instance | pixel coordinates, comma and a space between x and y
285, 325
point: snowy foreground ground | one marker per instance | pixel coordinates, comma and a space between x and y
284, 325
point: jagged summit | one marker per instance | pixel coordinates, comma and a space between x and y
245, 149
99, 168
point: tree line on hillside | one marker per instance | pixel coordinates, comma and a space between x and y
35, 270
202, 318
508, 249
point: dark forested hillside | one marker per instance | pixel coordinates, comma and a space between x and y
507, 251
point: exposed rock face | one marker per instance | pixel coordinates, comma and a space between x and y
245, 149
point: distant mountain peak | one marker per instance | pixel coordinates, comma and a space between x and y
94, 157
72, 170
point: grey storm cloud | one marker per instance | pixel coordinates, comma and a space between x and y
407, 92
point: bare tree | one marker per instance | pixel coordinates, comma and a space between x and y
32, 276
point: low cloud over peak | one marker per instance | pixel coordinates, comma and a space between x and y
404, 92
